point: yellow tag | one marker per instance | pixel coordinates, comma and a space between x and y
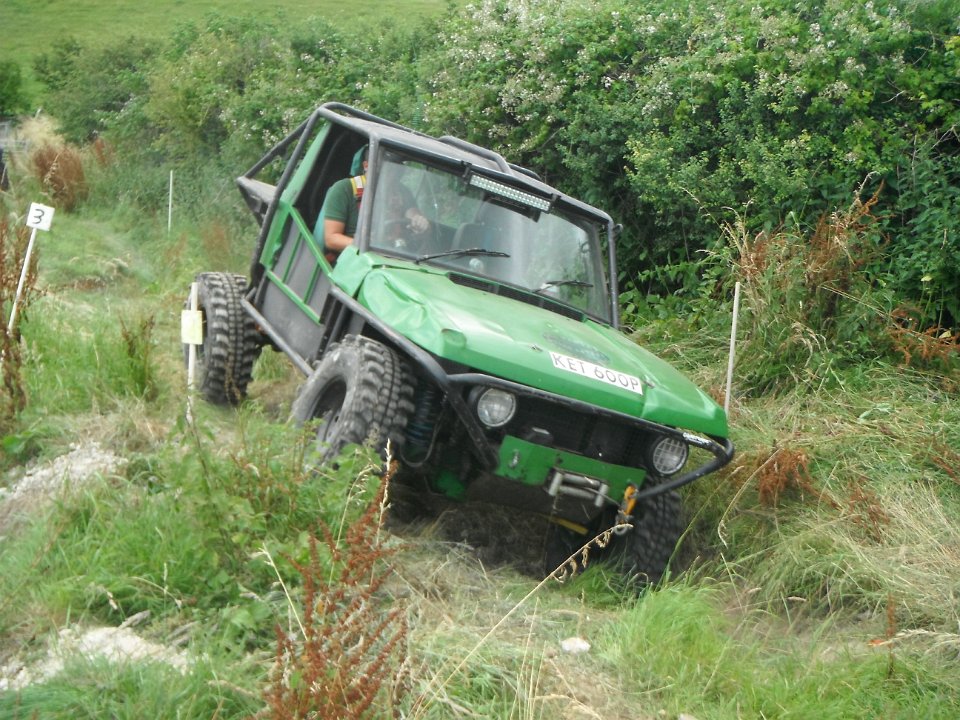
191, 327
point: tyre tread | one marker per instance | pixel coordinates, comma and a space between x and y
231, 342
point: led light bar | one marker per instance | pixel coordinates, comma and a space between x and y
509, 192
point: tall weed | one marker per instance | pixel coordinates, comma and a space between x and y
139, 346
13, 393
348, 658
841, 499
809, 305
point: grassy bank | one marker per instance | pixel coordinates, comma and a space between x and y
819, 577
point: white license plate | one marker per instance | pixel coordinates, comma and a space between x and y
597, 372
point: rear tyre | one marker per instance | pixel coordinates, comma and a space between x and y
359, 393
644, 553
231, 342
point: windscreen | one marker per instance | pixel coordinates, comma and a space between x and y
437, 216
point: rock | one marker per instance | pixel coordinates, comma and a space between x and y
574, 645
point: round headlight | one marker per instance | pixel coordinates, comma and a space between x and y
668, 454
495, 407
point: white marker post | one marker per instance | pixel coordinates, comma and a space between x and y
191, 335
170, 205
39, 218
733, 345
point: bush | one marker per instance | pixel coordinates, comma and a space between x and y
96, 90
13, 99
672, 116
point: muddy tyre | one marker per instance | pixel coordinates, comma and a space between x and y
359, 393
644, 553
231, 342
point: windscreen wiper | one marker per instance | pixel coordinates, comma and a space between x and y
463, 253
547, 284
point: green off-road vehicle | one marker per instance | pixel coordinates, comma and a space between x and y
482, 344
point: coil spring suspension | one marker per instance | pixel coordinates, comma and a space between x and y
420, 428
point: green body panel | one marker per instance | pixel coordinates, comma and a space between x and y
447, 483
285, 208
277, 236
518, 342
531, 464
302, 172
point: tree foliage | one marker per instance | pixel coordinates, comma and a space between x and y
13, 98
675, 118
97, 90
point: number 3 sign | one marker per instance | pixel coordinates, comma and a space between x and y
40, 216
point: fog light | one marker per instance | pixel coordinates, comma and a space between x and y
495, 408
668, 455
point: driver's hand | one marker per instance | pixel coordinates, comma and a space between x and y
417, 221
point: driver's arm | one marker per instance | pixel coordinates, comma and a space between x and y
334, 237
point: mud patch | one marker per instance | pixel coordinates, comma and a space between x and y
496, 536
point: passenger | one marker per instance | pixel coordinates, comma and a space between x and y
338, 218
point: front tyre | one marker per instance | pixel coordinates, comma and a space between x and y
358, 393
644, 552
231, 341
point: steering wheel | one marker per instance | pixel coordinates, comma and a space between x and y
401, 236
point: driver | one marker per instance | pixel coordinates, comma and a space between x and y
337, 222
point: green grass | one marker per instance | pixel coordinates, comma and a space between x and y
685, 650
30, 27
95, 688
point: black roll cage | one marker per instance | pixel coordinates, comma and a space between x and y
341, 114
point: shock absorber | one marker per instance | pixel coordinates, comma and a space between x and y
422, 424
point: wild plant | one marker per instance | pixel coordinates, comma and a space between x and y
932, 347
138, 345
809, 305
345, 658
59, 168
13, 246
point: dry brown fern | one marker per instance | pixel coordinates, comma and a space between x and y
349, 662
